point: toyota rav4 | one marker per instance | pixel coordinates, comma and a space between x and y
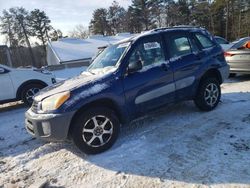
128, 80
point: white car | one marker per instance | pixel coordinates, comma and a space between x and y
22, 83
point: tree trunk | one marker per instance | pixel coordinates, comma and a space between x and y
227, 17
28, 44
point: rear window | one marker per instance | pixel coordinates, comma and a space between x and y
221, 41
204, 41
178, 45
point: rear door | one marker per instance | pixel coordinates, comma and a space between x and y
185, 58
152, 86
6, 86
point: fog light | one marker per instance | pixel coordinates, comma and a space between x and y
46, 128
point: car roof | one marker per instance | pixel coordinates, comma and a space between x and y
160, 30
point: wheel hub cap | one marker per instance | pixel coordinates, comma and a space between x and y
98, 131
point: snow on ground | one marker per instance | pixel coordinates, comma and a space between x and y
178, 146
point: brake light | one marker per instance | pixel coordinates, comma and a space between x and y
228, 54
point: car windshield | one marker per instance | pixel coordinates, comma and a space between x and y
109, 58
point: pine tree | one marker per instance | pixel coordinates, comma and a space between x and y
99, 23
116, 18
6, 26
21, 28
40, 25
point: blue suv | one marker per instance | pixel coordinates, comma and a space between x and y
128, 80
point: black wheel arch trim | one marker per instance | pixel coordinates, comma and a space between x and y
33, 81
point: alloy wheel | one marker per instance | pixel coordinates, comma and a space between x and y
97, 131
30, 94
211, 94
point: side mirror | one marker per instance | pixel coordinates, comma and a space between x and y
134, 66
2, 70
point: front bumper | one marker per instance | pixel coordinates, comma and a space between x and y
49, 127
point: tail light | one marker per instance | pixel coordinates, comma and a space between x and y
228, 54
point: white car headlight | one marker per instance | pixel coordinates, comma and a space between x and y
55, 101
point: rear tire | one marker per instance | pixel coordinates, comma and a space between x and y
208, 95
95, 130
29, 91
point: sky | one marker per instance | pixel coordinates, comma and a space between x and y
64, 14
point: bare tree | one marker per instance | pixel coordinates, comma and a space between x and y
79, 31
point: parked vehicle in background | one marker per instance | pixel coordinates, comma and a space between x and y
221, 40
128, 80
22, 83
238, 56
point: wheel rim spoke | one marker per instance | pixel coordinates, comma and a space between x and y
101, 139
108, 131
88, 131
91, 140
95, 121
104, 123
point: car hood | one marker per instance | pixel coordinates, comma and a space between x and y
68, 85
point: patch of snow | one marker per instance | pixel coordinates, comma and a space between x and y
177, 146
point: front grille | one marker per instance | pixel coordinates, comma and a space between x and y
35, 106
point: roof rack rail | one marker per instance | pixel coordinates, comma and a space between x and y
176, 26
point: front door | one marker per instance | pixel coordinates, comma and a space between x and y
152, 86
6, 86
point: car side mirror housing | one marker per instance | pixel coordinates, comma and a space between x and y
134, 66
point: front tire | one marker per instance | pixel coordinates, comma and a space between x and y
208, 95
29, 91
95, 130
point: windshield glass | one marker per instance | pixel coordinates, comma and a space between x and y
109, 57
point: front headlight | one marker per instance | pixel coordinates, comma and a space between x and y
55, 101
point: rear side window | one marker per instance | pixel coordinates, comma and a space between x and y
204, 41
221, 41
178, 46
